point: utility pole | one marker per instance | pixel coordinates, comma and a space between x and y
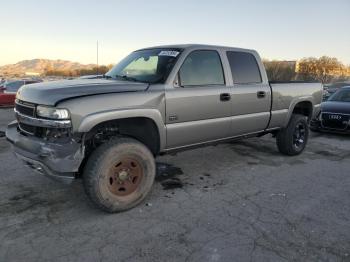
97, 57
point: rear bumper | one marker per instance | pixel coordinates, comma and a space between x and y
59, 161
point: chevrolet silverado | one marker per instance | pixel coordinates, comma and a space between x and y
155, 101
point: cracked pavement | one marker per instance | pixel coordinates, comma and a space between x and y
241, 201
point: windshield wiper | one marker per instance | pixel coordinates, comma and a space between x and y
129, 78
106, 76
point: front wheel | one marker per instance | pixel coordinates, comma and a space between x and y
119, 174
292, 139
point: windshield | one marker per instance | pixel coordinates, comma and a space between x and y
148, 66
342, 95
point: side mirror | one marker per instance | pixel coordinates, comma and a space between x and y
177, 81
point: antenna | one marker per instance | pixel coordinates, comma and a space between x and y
97, 57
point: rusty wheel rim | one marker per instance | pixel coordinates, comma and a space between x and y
124, 177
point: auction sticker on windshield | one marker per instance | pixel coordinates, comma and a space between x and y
169, 53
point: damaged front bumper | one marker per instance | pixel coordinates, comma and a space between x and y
60, 161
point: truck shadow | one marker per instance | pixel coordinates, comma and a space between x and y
257, 151
341, 137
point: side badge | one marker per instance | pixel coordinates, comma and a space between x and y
172, 118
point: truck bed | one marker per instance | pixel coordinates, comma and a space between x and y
287, 94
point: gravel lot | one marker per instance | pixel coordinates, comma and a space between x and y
241, 201
6, 116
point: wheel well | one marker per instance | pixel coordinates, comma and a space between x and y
141, 128
303, 108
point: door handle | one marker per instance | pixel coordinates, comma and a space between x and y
225, 97
261, 94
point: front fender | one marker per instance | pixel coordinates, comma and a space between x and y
89, 121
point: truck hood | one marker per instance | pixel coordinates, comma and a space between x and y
51, 93
336, 107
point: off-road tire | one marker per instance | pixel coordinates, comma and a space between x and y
286, 137
102, 163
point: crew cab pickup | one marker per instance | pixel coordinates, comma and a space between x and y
155, 101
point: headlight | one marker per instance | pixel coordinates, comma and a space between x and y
52, 112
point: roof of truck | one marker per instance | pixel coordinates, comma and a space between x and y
197, 46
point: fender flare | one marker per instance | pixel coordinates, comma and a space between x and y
294, 103
94, 119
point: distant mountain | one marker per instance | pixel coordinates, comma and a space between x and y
40, 66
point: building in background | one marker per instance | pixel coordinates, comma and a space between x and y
32, 74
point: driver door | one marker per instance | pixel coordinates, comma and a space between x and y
199, 109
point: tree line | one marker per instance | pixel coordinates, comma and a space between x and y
324, 69
78, 72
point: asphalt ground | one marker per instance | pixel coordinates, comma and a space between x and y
241, 201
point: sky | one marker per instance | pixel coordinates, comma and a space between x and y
69, 29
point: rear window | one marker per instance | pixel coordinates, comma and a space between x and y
244, 68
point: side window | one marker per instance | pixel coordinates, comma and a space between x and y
202, 67
244, 68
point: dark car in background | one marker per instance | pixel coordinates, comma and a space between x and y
334, 115
9, 89
330, 89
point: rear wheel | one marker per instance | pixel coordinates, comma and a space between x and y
119, 174
292, 140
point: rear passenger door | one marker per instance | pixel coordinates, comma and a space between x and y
250, 95
198, 108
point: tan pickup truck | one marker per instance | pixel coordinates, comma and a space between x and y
160, 99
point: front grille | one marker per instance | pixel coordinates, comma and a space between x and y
335, 121
25, 108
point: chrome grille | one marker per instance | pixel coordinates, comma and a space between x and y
25, 108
